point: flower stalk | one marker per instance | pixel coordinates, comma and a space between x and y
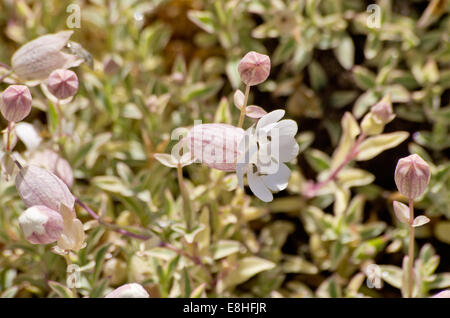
242, 116
311, 192
410, 278
185, 197
110, 226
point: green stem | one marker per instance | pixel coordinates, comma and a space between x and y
411, 249
69, 262
8, 136
184, 195
242, 117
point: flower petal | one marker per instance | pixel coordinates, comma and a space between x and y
279, 180
288, 148
287, 127
270, 118
258, 187
241, 169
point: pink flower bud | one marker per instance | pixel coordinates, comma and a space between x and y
62, 83
36, 59
132, 290
37, 186
215, 145
254, 68
16, 103
412, 176
51, 161
442, 294
41, 225
382, 111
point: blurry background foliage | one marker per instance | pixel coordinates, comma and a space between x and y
170, 62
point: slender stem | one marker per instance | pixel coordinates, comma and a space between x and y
333, 175
194, 259
8, 136
58, 110
5, 76
242, 116
110, 226
184, 195
411, 249
3, 65
69, 262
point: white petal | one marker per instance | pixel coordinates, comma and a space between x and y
241, 169
420, 220
238, 99
287, 127
28, 134
279, 180
288, 149
270, 118
258, 187
401, 211
166, 159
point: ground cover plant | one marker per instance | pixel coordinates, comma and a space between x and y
260, 148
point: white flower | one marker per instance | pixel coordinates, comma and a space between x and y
132, 290
263, 152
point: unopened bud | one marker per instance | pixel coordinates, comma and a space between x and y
16, 103
38, 186
35, 60
412, 176
382, 111
62, 83
51, 161
254, 68
215, 145
132, 290
41, 225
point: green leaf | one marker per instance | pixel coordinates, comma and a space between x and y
200, 91
203, 19
317, 159
225, 248
99, 289
317, 75
392, 275
10, 292
223, 114
99, 260
353, 177
442, 281
112, 184
345, 52
61, 290
350, 129
247, 268
375, 145
364, 78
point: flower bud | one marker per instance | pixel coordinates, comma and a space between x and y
382, 111
38, 186
132, 290
412, 176
370, 125
16, 103
35, 60
62, 83
254, 68
51, 161
215, 145
111, 65
442, 294
41, 225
